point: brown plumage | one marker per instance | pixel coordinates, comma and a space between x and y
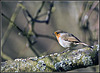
66, 39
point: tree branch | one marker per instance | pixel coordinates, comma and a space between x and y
11, 25
66, 61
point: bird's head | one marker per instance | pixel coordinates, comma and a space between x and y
58, 33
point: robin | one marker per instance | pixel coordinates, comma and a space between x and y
68, 40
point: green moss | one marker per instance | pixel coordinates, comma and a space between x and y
62, 62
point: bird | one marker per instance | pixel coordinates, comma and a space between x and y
68, 40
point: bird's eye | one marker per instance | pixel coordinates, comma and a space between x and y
56, 33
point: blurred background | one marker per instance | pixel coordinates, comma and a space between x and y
77, 17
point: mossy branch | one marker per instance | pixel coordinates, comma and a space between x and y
66, 61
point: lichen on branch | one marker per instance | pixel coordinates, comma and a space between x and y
66, 61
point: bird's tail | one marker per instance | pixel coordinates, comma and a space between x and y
85, 45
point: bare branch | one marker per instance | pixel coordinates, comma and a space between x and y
11, 25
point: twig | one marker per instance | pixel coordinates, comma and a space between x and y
48, 15
15, 25
28, 37
84, 23
39, 10
31, 21
11, 25
6, 57
87, 15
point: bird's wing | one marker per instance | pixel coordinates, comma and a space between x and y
71, 38
75, 38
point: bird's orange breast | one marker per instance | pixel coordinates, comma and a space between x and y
57, 35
